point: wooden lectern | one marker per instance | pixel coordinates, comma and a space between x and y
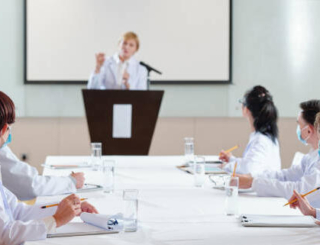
109, 112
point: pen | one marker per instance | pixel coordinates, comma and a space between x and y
294, 200
234, 170
231, 149
53, 205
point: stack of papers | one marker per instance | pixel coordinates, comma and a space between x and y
210, 168
277, 220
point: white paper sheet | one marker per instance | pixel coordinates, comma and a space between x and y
122, 121
102, 221
277, 220
79, 229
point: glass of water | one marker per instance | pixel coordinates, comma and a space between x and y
108, 176
189, 150
96, 153
232, 202
218, 180
130, 214
199, 171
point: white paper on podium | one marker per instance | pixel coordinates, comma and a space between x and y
122, 121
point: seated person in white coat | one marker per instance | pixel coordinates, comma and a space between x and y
122, 70
302, 203
262, 151
20, 222
302, 177
22, 179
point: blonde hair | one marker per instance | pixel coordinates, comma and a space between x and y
130, 35
317, 122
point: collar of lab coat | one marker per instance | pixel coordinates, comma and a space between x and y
313, 153
116, 58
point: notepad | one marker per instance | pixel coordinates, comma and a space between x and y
211, 168
250, 220
79, 229
90, 188
67, 166
93, 224
103, 221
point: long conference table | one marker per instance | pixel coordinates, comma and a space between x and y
172, 210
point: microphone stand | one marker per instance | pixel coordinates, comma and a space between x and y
149, 69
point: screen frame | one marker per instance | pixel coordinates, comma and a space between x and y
152, 82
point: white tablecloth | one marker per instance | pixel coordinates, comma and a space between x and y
173, 211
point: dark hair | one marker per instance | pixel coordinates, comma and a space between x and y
317, 122
310, 109
7, 110
265, 115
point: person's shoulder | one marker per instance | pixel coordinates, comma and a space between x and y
260, 138
142, 69
5, 151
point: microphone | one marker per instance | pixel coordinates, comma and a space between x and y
149, 68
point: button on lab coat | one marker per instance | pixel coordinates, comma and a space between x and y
26, 183
27, 222
303, 178
261, 154
107, 78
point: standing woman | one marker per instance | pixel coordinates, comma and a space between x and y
262, 152
122, 70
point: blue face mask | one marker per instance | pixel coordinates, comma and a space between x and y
9, 139
304, 141
319, 148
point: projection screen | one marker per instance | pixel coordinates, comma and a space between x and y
189, 41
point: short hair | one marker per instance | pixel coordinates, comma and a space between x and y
130, 35
7, 110
310, 109
317, 122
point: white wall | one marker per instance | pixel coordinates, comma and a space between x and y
275, 43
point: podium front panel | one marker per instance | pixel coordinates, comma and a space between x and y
99, 106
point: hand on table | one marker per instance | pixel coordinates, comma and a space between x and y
67, 209
303, 204
245, 181
225, 156
88, 208
79, 178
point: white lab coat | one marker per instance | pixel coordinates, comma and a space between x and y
318, 214
26, 183
27, 223
261, 154
107, 78
303, 178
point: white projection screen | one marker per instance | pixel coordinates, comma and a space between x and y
189, 41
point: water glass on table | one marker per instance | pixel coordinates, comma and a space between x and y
199, 171
108, 175
189, 150
218, 180
232, 202
96, 154
130, 213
